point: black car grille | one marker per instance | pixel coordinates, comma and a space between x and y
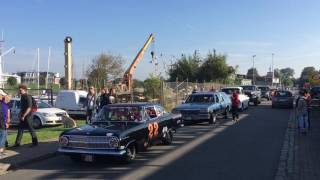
190, 112
92, 142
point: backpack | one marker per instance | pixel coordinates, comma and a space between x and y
34, 107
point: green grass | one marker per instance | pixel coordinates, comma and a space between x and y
43, 134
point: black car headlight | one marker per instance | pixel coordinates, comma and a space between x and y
63, 141
114, 142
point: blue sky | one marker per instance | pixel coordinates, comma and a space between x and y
288, 28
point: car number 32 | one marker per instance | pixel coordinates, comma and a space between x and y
153, 130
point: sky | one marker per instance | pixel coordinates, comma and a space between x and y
289, 29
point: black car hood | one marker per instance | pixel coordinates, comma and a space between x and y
101, 129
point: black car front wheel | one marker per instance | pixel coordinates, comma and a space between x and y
130, 153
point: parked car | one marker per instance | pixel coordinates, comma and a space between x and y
244, 99
282, 98
119, 130
204, 106
315, 92
253, 93
45, 115
72, 101
265, 92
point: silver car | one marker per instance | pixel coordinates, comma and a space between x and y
282, 98
45, 115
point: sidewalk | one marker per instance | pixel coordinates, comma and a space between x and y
307, 151
17, 157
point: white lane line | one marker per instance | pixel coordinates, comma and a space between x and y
158, 163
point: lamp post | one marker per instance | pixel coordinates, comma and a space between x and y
272, 70
253, 69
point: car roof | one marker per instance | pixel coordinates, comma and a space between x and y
205, 93
234, 87
138, 104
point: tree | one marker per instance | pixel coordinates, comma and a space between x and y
62, 81
185, 68
286, 76
152, 87
215, 68
138, 83
309, 75
12, 81
103, 68
250, 71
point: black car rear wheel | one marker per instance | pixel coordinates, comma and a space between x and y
167, 139
213, 118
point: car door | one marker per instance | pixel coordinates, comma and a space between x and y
15, 112
218, 104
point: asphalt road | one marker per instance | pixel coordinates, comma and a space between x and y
248, 149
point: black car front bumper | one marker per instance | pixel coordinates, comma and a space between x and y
105, 152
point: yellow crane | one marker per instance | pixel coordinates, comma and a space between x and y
127, 77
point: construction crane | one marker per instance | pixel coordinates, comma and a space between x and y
127, 77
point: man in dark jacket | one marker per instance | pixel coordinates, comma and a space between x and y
104, 97
25, 117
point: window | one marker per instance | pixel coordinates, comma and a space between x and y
200, 98
152, 112
217, 98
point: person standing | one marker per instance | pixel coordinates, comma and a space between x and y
4, 121
235, 105
90, 105
25, 117
308, 101
302, 113
113, 96
104, 97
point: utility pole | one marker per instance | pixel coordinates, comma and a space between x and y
68, 62
47, 78
2, 54
272, 70
38, 73
253, 69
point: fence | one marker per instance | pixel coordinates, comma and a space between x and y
45, 95
174, 93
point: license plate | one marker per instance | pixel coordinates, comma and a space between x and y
188, 118
88, 158
282, 100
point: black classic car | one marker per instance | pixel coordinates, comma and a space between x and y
120, 130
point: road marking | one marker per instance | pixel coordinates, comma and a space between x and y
158, 163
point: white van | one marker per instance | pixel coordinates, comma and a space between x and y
72, 101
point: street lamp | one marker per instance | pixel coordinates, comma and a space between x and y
272, 70
253, 69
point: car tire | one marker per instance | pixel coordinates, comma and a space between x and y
167, 140
213, 118
130, 155
36, 122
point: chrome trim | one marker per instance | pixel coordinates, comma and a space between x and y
94, 152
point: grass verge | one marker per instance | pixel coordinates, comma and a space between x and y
43, 134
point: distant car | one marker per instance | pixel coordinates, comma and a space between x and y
253, 92
119, 130
72, 101
45, 115
282, 98
315, 92
204, 106
265, 92
244, 99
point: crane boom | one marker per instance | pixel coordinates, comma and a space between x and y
127, 78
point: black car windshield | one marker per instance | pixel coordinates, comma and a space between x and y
283, 94
133, 114
230, 90
264, 88
246, 88
201, 98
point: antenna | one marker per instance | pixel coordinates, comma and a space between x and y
49, 56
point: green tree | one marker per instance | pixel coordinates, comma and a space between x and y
286, 76
152, 87
185, 68
62, 81
103, 68
215, 68
12, 81
308, 75
138, 83
251, 71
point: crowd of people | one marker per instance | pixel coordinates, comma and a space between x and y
95, 102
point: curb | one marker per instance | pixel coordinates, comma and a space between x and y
286, 167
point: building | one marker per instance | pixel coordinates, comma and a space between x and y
4, 78
32, 77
